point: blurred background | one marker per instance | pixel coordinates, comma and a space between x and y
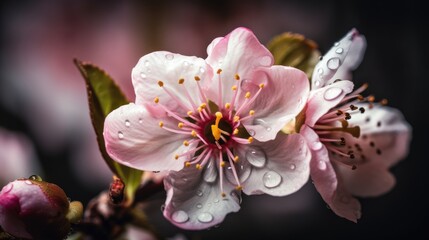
45, 127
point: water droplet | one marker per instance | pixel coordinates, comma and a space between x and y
251, 132
321, 165
169, 56
199, 205
256, 156
185, 63
143, 75
147, 63
120, 135
263, 123
216, 200
127, 123
209, 204
180, 216
339, 50
28, 182
333, 63
7, 188
35, 178
243, 169
316, 146
332, 93
202, 70
236, 196
199, 193
140, 120
271, 179
320, 71
317, 83
292, 167
205, 217
268, 129
210, 173
336, 44
265, 61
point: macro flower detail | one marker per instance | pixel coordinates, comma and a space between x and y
214, 124
34, 209
353, 139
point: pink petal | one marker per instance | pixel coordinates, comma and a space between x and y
213, 44
282, 98
323, 99
169, 68
344, 57
285, 169
237, 53
194, 203
325, 179
367, 180
133, 138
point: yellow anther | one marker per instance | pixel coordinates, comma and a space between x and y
160, 83
176, 156
199, 109
180, 125
237, 77
193, 133
181, 81
161, 124
234, 88
215, 127
247, 95
222, 164
198, 166
236, 158
203, 105
261, 85
238, 188
190, 113
235, 132
197, 78
156, 100
252, 112
186, 143
227, 105
219, 71
383, 102
250, 139
223, 194
236, 118
371, 98
187, 164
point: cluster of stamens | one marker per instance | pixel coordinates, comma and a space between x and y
214, 128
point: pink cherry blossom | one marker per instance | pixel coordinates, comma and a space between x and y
220, 117
353, 140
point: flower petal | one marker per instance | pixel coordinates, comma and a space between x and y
133, 138
169, 68
344, 57
282, 98
285, 169
238, 53
194, 203
323, 99
213, 44
325, 179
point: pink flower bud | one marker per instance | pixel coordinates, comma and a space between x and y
34, 209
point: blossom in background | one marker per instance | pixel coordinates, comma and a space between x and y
33, 209
219, 117
353, 140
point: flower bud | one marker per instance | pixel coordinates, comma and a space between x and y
34, 209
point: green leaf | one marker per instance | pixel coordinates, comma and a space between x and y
105, 96
290, 49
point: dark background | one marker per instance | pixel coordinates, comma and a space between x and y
395, 67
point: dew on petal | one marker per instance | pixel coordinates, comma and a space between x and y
216, 200
202, 70
28, 182
320, 71
263, 123
271, 179
180, 216
199, 205
317, 83
256, 156
127, 123
147, 63
7, 188
332, 93
169, 56
143, 75
292, 167
140, 120
199, 193
205, 217
210, 173
251, 132
265, 61
185, 63
333, 63
120, 135
243, 169
339, 50
336, 44
316, 146
321, 165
